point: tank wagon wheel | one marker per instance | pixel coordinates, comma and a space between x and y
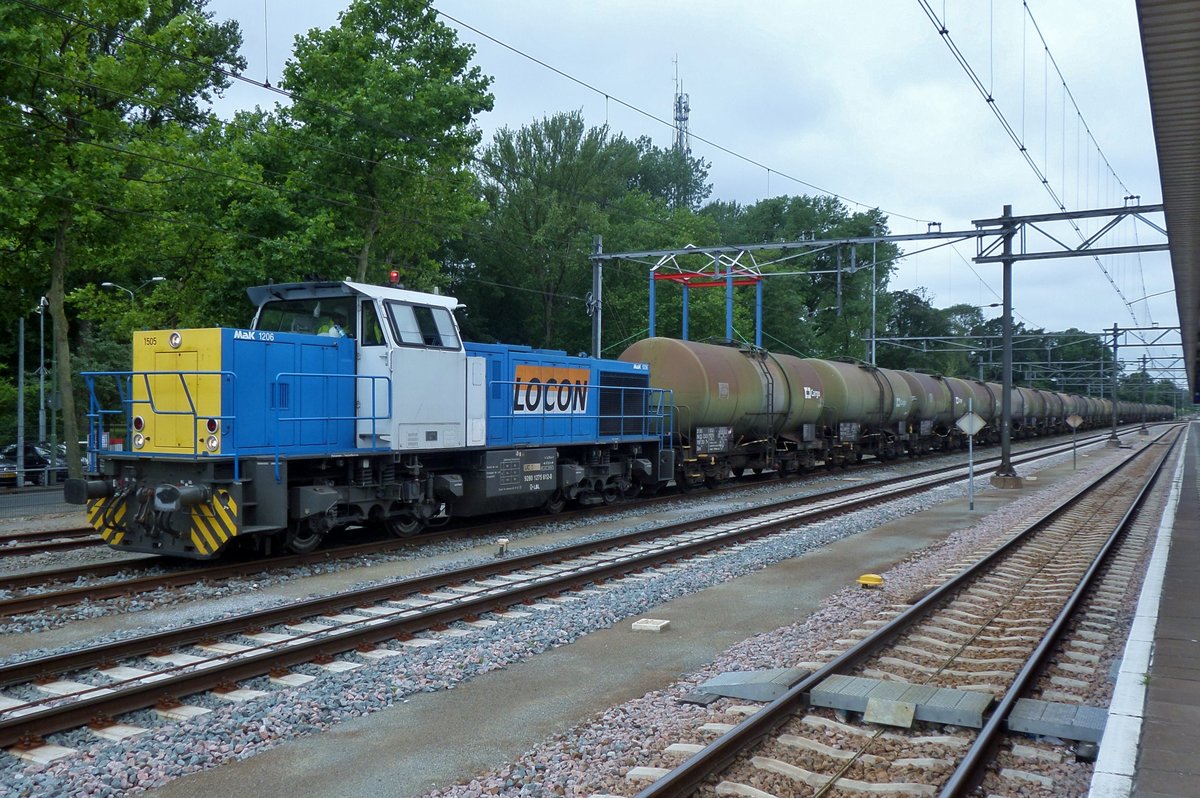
555, 504
737, 472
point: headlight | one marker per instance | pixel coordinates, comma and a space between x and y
175, 340
139, 440
212, 443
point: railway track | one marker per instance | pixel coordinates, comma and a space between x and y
97, 684
920, 703
127, 577
14, 544
23, 543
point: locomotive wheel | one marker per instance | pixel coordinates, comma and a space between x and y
303, 537
611, 494
555, 504
403, 525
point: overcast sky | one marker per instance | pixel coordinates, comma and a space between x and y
860, 98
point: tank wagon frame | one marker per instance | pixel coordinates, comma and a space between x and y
741, 407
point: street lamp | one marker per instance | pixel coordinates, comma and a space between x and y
43, 303
139, 288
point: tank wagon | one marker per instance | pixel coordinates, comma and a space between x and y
740, 407
274, 436
345, 404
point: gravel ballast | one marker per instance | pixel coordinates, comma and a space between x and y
592, 758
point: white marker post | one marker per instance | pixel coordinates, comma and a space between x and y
970, 424
1073, 421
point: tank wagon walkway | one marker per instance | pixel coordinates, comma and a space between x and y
1152, 748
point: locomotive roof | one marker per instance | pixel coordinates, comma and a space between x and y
261, 294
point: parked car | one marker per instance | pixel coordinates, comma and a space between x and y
40, 462
8, 473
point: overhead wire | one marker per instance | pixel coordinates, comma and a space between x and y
655, 118
1039, 172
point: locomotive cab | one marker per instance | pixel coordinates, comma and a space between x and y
413, 390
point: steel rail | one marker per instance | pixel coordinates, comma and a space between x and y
869, 494
32, 726
44, 534
971, 767
687, 777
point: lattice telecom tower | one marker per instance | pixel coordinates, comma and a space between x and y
682, 142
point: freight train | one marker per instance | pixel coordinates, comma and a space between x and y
346, 404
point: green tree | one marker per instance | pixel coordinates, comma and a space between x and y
820, 304
671, 175
377, 142
547, 185
80, 82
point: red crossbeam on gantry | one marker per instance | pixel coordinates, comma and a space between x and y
699, 280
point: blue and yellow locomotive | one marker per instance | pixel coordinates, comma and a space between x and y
351, 404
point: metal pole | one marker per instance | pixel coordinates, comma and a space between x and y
874, 289
1113, 440
653, 302
685, 311
54, 397
597, 287
1145, 379
758, 288
1006, 470
970, 460
839, 282
41, 311
20, 401
729, 305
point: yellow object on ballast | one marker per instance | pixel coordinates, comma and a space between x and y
870, 580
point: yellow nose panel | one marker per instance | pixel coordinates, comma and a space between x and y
171, 393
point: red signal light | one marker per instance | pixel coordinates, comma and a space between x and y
394, 277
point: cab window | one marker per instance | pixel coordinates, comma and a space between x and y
422, 325
372, 332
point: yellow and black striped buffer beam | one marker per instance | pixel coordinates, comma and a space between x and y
108, 520
214, 523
